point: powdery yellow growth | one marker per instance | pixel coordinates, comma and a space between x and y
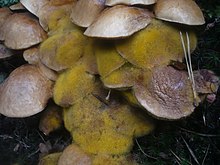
102, 159
59, 22
155, 45
72, 85
102, 140
83, 113
127, 121
129, 96
63, 50
108, 58
98, 127
123, 77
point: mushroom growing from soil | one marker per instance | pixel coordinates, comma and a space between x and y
25, 92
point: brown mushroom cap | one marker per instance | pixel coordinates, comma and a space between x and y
31, 55
180, 11
22, 31
73, 154
25, 92
129, 2
48, 10
84, 12
166, 93
4, 13
33, 6
119, 21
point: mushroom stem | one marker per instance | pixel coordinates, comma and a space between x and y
189, 64
108, 96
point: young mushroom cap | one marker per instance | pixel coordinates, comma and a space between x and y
166, 93
180, 11
73, 154
25, 92
84, 12
22, 31
119, 21
17, 6
129, 2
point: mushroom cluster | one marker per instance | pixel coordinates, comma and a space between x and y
103, 62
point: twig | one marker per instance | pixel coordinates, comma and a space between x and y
199, 134
187, 55
143, 151
206, 153
178, 160
191, 152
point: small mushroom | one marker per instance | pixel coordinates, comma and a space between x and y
119, 21
31, 55
129, 2
17, 6
73, 154
25, 92
21, 31
84, 12
179, 11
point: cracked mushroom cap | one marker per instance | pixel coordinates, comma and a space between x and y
22, 31
179, 11
25, 92
119, 21
129, 2
84, 12
166, 93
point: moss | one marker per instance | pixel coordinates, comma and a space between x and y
72, 85
154, 46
